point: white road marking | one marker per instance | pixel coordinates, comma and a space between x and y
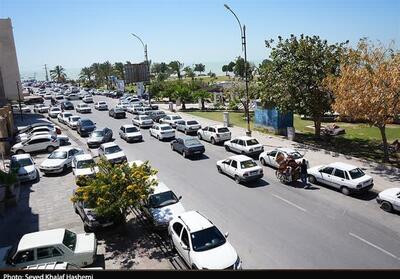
289, 202
375, 246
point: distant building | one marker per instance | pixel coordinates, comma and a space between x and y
9, 71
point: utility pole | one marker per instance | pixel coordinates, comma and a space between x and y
47, 76
147, 62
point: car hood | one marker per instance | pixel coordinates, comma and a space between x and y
217, 258
392, 192
3, 256
135, 134
53, 162
166, 213
95, 139
86, 171
85, 243
26, 169
18, 145
115, 155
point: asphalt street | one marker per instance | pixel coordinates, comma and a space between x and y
271, 225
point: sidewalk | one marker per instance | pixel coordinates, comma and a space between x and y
384, 177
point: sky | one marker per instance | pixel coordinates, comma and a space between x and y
77, 33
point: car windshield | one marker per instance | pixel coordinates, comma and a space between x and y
191, 142
165, 128
75, 118
58, 155
192, 123
162, 199
118, 110
251, 142
84, 106
295, 155
223, 130
55, 109
247, 164
176, 117
131, 130
145, 118
207, 239
87, 123
112, 149
98, 134
67, 114
21, 163
356, 173
102, 103
84, 164
69, 240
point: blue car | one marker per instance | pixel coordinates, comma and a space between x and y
85, 126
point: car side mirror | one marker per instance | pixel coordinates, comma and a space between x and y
226, 234
180, 197
185, 247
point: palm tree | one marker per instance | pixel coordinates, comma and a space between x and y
58, 74
86, 74
189, 72
183, 93
106, 70
119, 70
97, 73
176, 67
203, 95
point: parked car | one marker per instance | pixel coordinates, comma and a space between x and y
35, 144
83, 108
34, 131
58, 96
60, 160
155, 115
41, 108
241, 168
82, 93
172, 120
244, 145
101, 105
30, 128
67, 105
162, 206
63, 117
23, 108
117, 113
270, 157
72, 96
87, 99
347, 178
51, 245
142, 121
162, 131
24, 167
130, 133
83, 165
112, 152
54, 112
389, 199
133, 107
188, 126
85, 126
73, 121
31, 100
59, 266
142, 110
188, 146
214, 134
99, 136
47, 96
201, 244
123, 105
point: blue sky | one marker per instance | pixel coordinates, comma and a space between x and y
76, 33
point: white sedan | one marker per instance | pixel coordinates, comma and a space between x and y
142, 121
112, 152
101, 105
270, 157
130, 133
63, 117
24, 166
60, 160
244, 145
241, 168
83, 165
389, 199
162, 131
73, 121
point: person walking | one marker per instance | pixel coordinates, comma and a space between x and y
304, 173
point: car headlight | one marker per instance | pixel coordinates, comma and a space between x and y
238, 263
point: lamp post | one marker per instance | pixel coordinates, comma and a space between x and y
243, 35
147, 61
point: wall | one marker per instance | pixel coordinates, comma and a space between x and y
273, 120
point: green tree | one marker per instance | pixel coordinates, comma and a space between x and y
203, 95
211, 74
58, 74
156, 88
176, 67
86, 74
98, 76
106, 70
189, 72
225, 69
239, 71
117, 188
118, 70
199, 68
183, 92
237, 94
293, 79
160, 70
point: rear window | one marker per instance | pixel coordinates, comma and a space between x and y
356, 173
165, 128
252, 142
86, 122
192, 122
223, 130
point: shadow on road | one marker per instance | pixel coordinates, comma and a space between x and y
256, 184
199, 158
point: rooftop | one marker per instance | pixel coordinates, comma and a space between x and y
195, 221
240, 158
40, 239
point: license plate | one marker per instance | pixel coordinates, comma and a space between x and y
254, 172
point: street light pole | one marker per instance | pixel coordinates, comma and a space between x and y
243, 36
147, 61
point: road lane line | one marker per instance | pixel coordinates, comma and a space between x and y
289, 202
375, 246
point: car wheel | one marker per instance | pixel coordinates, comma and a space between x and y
20, 151
345, 191
172, 147
86, 229
237, 179
194, 267
184, 154
65, 169
213, 141
186, 132
227, 148
158, 137
50, 149
199, 136
76, 210
219, 169
386, 206
312, 179
263, 162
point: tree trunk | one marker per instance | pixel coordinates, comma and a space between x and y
202, 104
183, 104
317, 126
382, 129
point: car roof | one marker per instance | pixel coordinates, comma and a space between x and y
85, 156
195, 221
244, 138
217, 126
67, 148
128, 125
41, 238
109, 144
186, 137
45, 136
163, 125
240, 158
20, 156
342, 166
161, 188
286, 150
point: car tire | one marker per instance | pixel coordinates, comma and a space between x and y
50, 149
312, 179
86, 229
184, 154
199, 136
387, 206
263, 162
213, 141
76, 210
237, 179
20, 151
219, 169
345, 191
227, 148
186, 132
172, 147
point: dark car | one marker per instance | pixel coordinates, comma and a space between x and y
156, 115
99, 136
67, 106
188, 146
85, 126
154, 107
117, 113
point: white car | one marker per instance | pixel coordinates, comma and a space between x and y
72, 96
133, 107
130, 133
83, 108
171, 120
36, 143
58, 245
241, 168
63, 117
112, 152
24, 108
201, 244
47, 96
188, 126
60, 160
40, 108
84, 166
270, 157
123, 105
162, 131
347, 178
87, 99
389, 199
142, 121
244, 145
142, 110
54, 112
35, 130
101, 105
24, 167
81, 94
214, 134
73, 121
